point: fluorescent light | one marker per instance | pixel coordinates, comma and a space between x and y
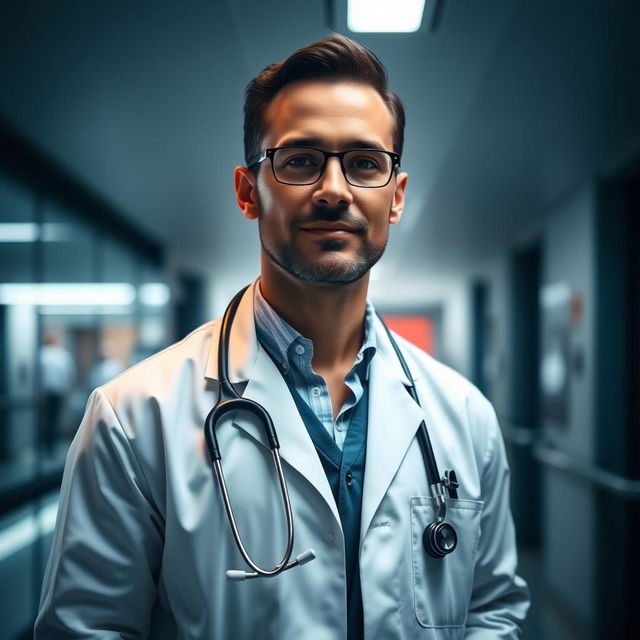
31, 232
68, 294
385, 15
154, 294
18, 232
85, 310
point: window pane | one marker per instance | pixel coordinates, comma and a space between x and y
18, 233
68, 331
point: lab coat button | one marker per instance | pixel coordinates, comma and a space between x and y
349, 478
330, 537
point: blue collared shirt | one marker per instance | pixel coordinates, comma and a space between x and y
292, 353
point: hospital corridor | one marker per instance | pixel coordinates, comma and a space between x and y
514, 262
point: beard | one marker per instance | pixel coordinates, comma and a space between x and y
324, 271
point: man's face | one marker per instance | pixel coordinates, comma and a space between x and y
329, 232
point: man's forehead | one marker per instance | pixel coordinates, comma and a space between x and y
328, 109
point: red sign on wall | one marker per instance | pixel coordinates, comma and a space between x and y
415, 329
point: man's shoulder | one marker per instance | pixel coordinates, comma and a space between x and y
161, 371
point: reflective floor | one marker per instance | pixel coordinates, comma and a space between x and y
548, 619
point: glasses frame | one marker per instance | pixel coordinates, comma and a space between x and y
269, 153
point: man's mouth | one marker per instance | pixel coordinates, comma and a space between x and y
336, 229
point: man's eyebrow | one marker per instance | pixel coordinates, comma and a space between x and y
364, 144
357, 143
301, 142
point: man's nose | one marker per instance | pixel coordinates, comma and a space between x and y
332, 189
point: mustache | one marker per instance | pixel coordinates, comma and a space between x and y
333, 214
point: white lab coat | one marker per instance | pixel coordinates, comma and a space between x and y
142, 543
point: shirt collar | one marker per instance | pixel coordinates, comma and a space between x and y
277, 336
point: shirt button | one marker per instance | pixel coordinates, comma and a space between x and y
340, 427
299, 349
349, 479
315, 391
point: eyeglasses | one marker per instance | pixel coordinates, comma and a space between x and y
370, 168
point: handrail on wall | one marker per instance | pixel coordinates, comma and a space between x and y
627, 488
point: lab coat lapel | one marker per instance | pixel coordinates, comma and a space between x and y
266, 386
394, 418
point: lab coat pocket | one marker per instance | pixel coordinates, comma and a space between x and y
442, 587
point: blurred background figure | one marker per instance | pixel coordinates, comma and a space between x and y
106, 367
57, 371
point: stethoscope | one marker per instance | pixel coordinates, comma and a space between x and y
439, 537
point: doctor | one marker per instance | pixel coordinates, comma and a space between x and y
142, 543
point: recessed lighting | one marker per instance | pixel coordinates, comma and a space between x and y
390, 16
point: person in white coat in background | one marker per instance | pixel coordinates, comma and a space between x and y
142, 542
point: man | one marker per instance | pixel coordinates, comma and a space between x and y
142, 542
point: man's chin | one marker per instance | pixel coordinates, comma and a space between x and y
329, 273
329, 268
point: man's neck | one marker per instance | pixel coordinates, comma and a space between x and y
332, 317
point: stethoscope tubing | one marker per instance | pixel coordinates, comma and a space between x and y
229, 401
282, 565
424, 441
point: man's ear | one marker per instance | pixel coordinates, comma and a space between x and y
397, 204
246, 192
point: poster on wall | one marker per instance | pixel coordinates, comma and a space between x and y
555, 303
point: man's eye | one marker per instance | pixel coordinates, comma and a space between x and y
364, 162
299, 161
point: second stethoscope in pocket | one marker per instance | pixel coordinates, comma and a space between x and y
439, 537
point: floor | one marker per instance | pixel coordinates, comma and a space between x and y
547, 619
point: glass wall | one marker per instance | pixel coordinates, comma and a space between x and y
79, 303
18, 333
77, 307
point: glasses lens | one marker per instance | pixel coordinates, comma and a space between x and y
297, 165
366, 168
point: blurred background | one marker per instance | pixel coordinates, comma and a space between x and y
516, 261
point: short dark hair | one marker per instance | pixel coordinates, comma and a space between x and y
335, 57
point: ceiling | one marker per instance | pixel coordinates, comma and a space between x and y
511, 105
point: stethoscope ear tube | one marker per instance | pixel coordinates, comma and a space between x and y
216, 460
224, 339
237, 404
228, 400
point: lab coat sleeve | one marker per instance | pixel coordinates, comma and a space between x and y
100, 580
500, 598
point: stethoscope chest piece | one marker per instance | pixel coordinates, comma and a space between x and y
439, 539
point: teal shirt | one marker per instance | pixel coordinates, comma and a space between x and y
292, 353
